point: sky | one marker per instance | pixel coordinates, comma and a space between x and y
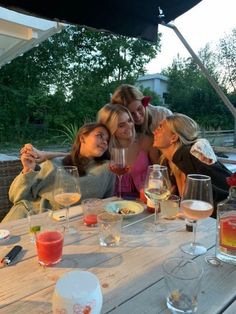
207, 22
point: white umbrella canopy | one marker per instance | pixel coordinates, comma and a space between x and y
20, 33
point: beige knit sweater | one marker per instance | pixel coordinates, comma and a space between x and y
34, 190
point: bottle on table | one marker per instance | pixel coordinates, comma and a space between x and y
226, 228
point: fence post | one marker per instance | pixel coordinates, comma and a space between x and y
234, 133
202, 132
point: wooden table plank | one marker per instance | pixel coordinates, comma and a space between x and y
130, 274
218, 285
19, 232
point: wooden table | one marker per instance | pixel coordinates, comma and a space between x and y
130, 275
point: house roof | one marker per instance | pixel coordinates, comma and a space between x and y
152, 77
19, 33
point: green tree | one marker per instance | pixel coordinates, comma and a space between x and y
227, 60
190, 93
67, 79
78, 56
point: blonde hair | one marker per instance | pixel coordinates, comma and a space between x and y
187, 130
108, 115
124, 95
185, 127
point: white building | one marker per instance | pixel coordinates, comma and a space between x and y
156, 82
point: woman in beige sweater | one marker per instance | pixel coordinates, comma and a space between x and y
32, 189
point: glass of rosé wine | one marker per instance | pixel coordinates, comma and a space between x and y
196, 203
118, 164
67, 190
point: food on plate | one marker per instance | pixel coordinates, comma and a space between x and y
126, 211
125, 208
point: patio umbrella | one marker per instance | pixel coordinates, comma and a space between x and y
133, 18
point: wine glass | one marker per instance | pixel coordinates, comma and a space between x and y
118, 164
157, 188
67, 189
196, 203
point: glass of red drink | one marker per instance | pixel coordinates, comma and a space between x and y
49, 238
119, 165
91, 207
49, 244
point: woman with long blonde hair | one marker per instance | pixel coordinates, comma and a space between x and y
121, 126
119, 122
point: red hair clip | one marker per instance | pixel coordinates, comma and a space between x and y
232, 179
146, 100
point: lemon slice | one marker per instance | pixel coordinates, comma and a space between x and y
35, 229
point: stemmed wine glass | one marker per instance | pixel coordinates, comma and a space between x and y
118, 164
67, 189
157, 188
196, 203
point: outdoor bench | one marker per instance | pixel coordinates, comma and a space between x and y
9, 169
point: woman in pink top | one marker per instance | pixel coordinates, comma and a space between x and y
133, 181
121, 126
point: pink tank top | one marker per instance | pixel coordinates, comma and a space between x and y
134, 179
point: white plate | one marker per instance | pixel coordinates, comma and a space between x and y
134, 207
